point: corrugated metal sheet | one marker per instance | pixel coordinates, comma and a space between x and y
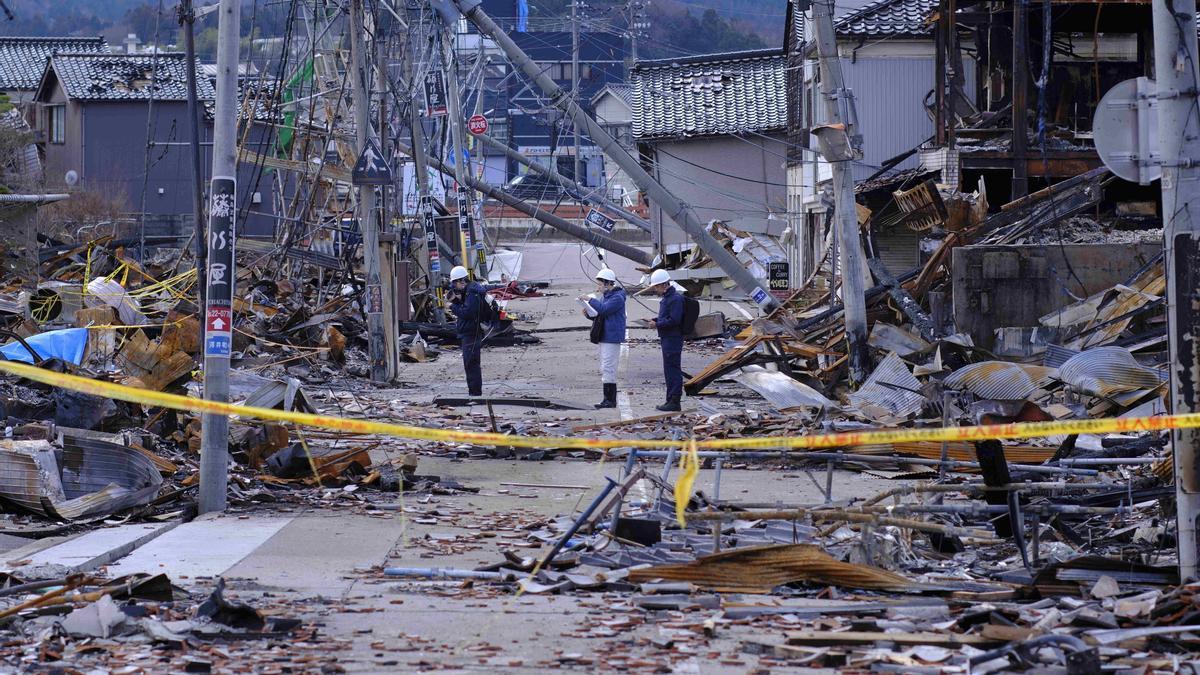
1105, 371
1000, 380
892, 387
898, 248
759, 569
86, 477
1056, 355
781, 390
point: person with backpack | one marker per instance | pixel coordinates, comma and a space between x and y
608, 331
670, 325
470, 306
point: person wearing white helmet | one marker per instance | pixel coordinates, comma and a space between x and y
669, 323
608, 330
466, 303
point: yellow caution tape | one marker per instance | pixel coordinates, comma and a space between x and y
814, 442
689, 467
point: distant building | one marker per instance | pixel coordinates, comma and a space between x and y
888, 60
518, 113
23, 59
614, 111
711, 129
95, 115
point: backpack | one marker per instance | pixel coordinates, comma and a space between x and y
489, 309
691, 312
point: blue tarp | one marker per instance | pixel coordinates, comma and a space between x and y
67, 344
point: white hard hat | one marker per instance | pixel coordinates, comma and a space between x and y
459, 272
659, 277
606, 275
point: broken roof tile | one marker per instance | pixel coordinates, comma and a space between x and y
710, 95
126, 77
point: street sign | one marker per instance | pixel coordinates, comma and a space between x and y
371, 167
1125, 130
779, 278
218, 314
435, 94
477, 125
597, 219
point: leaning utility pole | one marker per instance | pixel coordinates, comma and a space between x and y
367, 215
433, 262
839, 106
1175, 69
575, 78
676, 209
567, 183
187, 19
222, 275
461, 170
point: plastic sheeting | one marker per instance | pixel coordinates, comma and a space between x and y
68, 344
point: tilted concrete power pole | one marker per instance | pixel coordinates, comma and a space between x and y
676, 209
569, 184
222, 275
367, 215
1175, 69
838, 102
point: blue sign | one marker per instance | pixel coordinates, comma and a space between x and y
759, 296
217, 345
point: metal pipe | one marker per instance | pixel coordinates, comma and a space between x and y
578, 522
441, 573
869, 459
1108, 461
679, 212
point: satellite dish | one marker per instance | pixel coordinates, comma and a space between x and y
1125, 130
72, 178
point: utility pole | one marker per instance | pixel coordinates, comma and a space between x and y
187, 19
678, 211
461, 171
1020, 93
571, 185
575, 80
367, 215
839, 107
433, 262
222, 274
1175, 70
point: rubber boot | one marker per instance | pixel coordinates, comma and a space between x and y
610, 396
672, 405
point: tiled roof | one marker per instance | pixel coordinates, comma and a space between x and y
619, 89
22, 59
127, 77
888, 17
709, 95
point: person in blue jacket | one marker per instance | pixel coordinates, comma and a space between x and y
466, 303
669, 323
609, 310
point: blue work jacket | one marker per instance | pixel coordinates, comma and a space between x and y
467, 311
670, 314
611, 310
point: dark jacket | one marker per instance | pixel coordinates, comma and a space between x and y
466, 310
611, 310
670, 314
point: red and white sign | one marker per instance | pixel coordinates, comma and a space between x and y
219, 320
478, 124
